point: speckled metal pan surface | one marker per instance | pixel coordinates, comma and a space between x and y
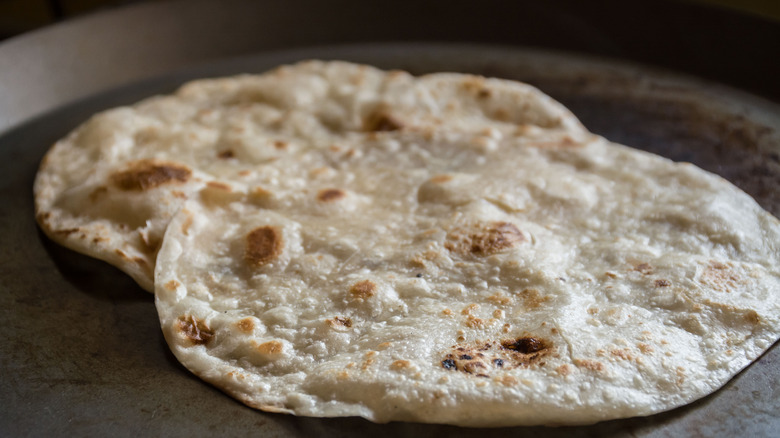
82, 353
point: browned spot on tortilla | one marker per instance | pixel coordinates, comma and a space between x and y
447, 312
330, 195
533, 299
499, 299
380, 120
721, 277
194, 330
441, 179
484, 93
363, 290
623, 353
645, 348
484, 239
662, 283
148, 174
339, 322
270, 347
752, 317
563, 370
178, 194
226, 154
610, 274
172, 285
591, 365
400, 364
263, 244
476, 323
470, 308
486, 357
279, 144
501, 114
524, 345
644, 268
219, 186
246, 325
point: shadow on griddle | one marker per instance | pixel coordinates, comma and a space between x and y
94, 277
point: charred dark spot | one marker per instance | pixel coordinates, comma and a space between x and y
465, 357
482, 375
524, 345
498, 362
448, 364
418, 275
226, 154
662, 283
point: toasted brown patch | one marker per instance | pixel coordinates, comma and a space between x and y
279, 144
484, 239
591, 365
339, 322
270, 347
172, 285
246, 325
644, 268
663, 283
525, 345
623, 354
148, 174
263, 244
721, 277
362, 290
484, 358
194, 330
380, 120
226, 154
533, 299
399, 365
645, 348
499, 299
563, 370
330, 195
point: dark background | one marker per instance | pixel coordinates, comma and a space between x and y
729, 41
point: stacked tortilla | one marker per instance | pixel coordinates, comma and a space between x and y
328, 239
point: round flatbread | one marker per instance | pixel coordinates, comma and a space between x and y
416, 264
109, 188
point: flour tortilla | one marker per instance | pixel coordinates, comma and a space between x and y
110, 188
328, 239
522, 276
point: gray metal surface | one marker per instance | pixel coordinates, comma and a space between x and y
82, 353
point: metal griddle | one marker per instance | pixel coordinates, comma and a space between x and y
82, 353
